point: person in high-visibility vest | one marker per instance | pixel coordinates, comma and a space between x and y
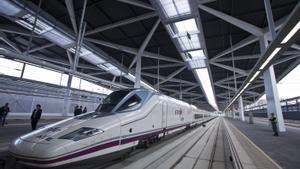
273, 120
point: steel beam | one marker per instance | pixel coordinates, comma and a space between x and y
242, 57
295, 46
133, 50
70, 57
120, 23
138, 57
249, 40
71, 12
174, 85
41, 47
187, 89
277, 62
229, 78
171, 75
137, 3
233, 89
237, 22
17, 30
9, 42
239, 45
80, 36
237, 70
163, 66
186, 93
98, 73
171, 80
255, 86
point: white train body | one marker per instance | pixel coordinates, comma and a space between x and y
136, 115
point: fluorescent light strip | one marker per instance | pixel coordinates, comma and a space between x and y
204, 79
254, 76
270, 58
291, 33
246, 86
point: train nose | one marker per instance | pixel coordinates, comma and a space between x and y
37, 149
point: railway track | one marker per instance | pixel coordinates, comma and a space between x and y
189, 151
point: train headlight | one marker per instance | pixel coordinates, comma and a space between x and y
81, 133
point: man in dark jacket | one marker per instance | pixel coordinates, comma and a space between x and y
273, 120
35, 116
84, 110
77, 110
3, 113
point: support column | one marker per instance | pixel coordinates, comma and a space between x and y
234, 113
242, 116
273, 103
67, 99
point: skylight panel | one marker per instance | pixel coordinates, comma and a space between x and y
28, 22
8, 8
58, 38
197, 54
175, 8
187, 43
110, 68
186, 26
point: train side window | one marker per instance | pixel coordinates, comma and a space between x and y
132, 102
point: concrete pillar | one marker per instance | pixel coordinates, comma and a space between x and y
67, 100
234, 111
273, 103
242, 116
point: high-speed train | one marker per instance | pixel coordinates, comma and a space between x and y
125, 119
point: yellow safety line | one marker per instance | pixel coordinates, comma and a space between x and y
260, 150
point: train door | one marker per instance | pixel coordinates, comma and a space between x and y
164, 114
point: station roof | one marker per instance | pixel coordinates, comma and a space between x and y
136, 18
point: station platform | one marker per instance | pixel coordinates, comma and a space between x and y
283, 149
219, 144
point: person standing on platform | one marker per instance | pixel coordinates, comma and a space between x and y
80, 110
3, 113
84, 110
76, 110
273, 120
35, 117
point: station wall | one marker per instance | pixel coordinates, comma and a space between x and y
23, 105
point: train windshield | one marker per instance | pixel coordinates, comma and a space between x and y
110, 102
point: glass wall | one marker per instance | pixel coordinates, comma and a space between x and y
82, 84
46, 75
10, 67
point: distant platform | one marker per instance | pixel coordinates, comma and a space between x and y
283, 149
